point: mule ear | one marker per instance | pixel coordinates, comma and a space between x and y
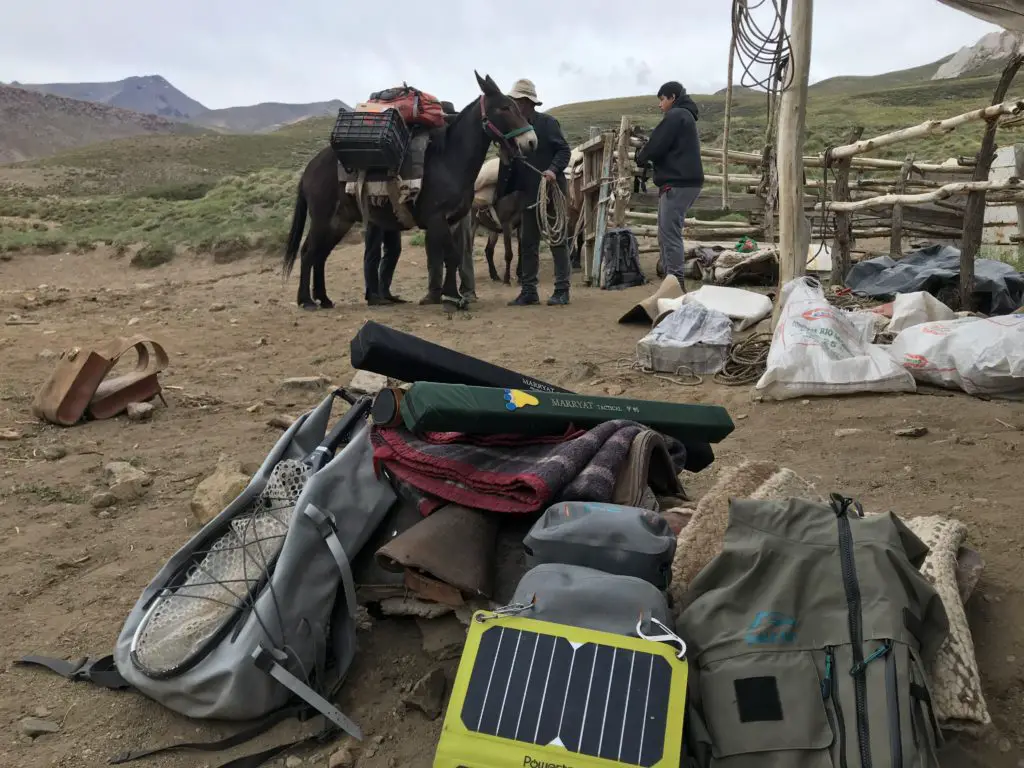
481, 82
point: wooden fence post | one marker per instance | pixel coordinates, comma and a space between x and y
624, 184
792, 118
974, 211
896, 235
843, 237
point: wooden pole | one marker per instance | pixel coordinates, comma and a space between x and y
842, 240
974, 211
728, 115
793, 230
624, 184
896, 236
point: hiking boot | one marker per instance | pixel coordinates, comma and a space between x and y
375, 301
430, 298
559, 299
524, 300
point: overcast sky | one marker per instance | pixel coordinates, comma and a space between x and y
234, 52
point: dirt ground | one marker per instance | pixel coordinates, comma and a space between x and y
69, 574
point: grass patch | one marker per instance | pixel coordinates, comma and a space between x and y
153, 255
418, 239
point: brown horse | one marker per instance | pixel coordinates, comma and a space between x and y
453, 159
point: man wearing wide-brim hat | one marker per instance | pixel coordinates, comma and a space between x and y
549, 159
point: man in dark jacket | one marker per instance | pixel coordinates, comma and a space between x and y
378, 268
550, 158
674, 151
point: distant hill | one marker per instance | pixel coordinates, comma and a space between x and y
149, 94
34, 124
268, 116
154, 95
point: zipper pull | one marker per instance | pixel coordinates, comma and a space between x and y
876, 654
826, 684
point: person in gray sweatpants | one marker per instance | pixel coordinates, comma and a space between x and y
674, 151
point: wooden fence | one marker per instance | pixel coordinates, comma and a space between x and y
848, 197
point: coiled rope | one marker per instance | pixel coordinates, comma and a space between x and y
552, 212
551, 209
748, 359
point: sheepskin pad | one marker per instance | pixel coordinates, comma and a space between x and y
955, 682
488, 176
701, 540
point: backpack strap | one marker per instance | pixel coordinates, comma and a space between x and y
265, 661
249, 761
102, 671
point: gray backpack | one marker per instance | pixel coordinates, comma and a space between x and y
809, 637
254, 617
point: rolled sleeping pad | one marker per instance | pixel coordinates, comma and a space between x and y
433, 407
402, 356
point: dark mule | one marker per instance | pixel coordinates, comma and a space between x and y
453, 159
509, 212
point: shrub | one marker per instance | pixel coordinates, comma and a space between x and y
152, 255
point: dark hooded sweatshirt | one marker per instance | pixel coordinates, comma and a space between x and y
674, 147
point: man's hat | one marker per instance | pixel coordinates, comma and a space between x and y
525, 89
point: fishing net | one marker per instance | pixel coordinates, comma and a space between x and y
223, 579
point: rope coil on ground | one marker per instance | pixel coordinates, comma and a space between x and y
748, 359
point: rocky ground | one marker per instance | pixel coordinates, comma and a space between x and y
88, 514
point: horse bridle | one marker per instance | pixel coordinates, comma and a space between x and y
503, 139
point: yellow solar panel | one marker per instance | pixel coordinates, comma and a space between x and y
533, 694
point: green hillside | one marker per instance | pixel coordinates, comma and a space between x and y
232, 193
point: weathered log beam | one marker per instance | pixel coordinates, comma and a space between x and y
704, 230
688, 222
948, 190
863, 163
929, 128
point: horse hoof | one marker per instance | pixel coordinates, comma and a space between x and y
326, 304
309, 306
495, 278
452, 305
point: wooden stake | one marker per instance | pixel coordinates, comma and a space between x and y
896, 236
974, 211
929, 128
842, 240
624, 186
728, 115
793, 231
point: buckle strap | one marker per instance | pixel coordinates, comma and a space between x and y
265, 661
102, 671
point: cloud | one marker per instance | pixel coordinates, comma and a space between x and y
233, 52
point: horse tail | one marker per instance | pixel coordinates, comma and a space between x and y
295, 235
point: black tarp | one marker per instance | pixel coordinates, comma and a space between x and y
998, 287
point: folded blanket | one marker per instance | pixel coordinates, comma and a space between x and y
508, 474
955, 682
